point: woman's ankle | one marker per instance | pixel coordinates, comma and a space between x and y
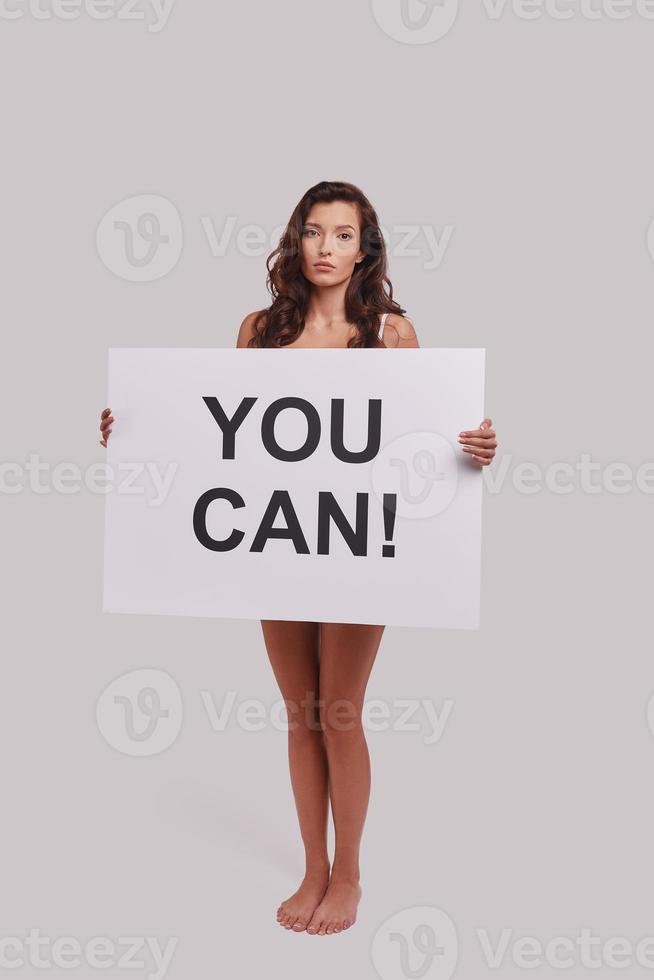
317, 866
345, 872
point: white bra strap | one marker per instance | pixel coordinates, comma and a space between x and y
383, 321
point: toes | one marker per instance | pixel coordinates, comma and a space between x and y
299, 925
314, 925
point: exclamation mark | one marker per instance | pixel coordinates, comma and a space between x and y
390, 506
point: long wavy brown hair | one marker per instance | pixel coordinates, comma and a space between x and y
369, 292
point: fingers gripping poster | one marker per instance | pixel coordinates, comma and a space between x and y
319, 485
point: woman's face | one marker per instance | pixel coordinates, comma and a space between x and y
331, 235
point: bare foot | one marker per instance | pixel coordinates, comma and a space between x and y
297, 910
338, 909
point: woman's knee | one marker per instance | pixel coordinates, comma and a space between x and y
340, 720
303, 718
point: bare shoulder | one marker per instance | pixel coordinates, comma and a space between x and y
247, 329
399, 332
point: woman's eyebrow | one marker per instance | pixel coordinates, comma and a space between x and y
316, 224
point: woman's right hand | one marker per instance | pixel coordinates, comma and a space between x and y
105, 426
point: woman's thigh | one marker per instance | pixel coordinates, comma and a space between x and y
347, 654
293, 651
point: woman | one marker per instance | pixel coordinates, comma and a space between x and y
329, 289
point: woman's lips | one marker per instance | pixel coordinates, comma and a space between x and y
323, 265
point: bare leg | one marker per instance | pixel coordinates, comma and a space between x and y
347, 654
293, 650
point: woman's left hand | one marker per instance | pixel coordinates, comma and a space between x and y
480, 444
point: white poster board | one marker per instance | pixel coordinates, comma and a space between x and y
319, 485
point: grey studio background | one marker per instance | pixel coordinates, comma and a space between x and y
509, 152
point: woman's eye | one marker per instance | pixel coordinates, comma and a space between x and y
347, 234
309, 231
